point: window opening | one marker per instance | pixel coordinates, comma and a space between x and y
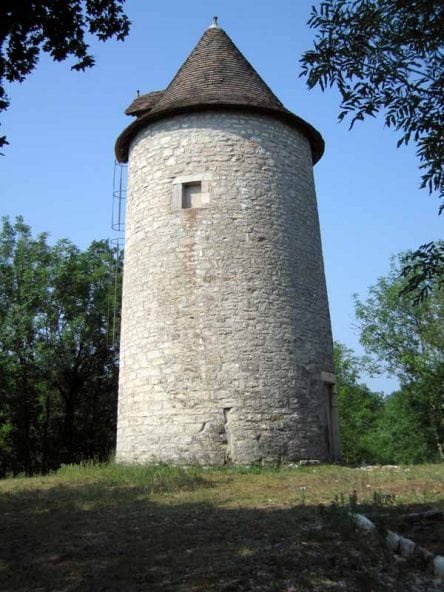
192, 195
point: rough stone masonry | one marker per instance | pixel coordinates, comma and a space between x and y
226, 348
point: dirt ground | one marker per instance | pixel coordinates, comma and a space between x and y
97, 538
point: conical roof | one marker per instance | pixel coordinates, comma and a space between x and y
215, 75
216, 71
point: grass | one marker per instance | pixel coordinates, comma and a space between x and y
109, 528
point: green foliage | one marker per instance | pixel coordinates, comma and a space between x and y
423, 269
359, 410
406, 339
385, 56
58, 365
56, 28
400, 436
403, 334
396, 429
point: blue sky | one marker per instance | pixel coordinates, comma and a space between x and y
62, 126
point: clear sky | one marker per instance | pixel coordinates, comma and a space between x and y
62, 126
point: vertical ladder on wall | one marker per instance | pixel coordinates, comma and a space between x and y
117, 242
119, 197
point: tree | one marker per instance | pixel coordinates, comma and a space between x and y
407, 340
77, 333
359, 409
23, 291
58, 359
400, 435
386, 55
378, 429
55, 27
423, 269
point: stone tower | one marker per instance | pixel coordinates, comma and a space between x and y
226, 348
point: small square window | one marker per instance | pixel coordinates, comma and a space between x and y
192, 195
191, 191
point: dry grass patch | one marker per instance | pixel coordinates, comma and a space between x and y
237, 487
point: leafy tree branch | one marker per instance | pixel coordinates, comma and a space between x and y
386, 56
58, 28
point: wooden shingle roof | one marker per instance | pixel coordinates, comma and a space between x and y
144, 103
215, 75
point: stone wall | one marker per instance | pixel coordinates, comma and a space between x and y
225, 329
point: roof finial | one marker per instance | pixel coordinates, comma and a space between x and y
214, 24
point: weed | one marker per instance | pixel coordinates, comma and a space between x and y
383, 499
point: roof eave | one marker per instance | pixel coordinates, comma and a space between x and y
314, 137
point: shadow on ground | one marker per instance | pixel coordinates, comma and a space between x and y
117, 539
